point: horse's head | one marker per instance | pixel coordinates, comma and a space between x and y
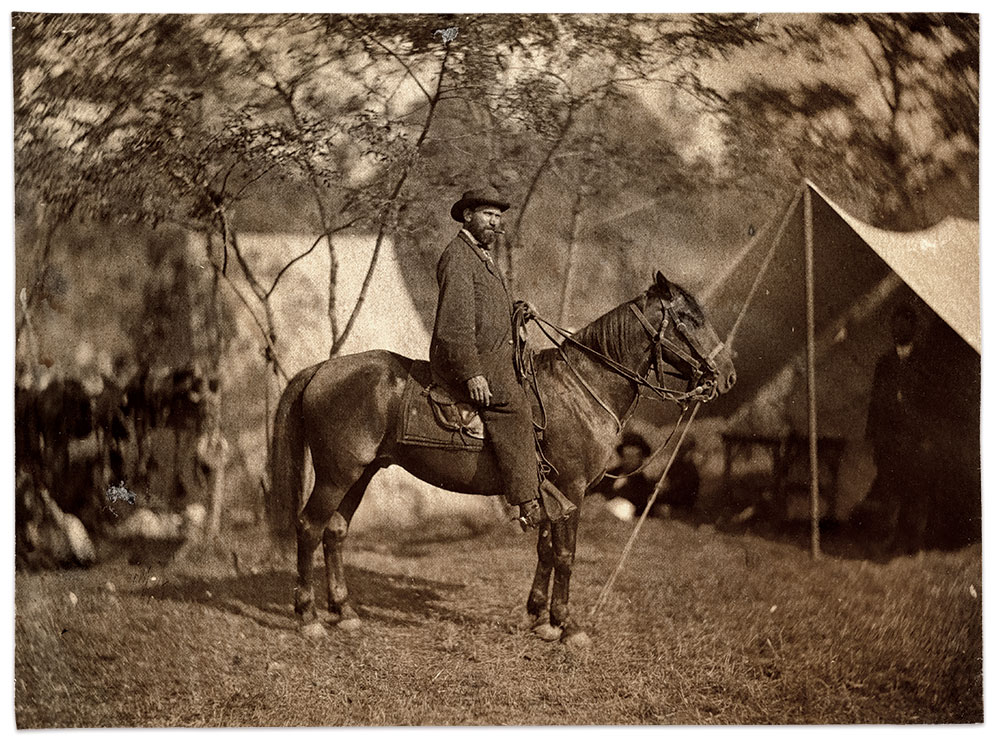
683, 339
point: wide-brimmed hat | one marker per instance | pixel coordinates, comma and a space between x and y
473, 198
634, 439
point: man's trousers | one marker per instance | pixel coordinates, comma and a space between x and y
511, 434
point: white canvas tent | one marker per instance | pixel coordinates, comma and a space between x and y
387, 320
800, 288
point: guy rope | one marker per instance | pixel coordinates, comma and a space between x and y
605, 592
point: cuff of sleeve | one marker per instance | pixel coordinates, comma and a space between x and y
470, 373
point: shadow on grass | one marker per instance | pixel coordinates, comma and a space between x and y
873, 531
427, 540
843, 540
267, 597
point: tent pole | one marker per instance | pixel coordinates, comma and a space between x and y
811, 370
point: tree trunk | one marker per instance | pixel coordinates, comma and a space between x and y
28, 327
213, 455
331, 305
572, 258
216, 452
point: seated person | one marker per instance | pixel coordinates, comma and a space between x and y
684, 480
634, 488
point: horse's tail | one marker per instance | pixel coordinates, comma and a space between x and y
284, 501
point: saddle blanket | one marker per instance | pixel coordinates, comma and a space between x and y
432, 416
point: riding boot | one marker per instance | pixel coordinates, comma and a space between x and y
551, 505
557, 505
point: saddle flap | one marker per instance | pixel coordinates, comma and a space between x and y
433, 416
454, 415
440, 395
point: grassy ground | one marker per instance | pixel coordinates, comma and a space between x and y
702, 628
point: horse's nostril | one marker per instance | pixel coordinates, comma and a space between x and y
731, 381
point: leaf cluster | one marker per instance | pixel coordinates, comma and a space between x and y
907, 117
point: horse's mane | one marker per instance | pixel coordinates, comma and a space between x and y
615, 334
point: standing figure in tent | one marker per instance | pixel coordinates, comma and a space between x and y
472, 350
899, 436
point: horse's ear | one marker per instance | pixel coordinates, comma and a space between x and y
661, 282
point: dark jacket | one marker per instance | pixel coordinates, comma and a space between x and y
472, 331
895, 420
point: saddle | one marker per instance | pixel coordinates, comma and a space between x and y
433, 416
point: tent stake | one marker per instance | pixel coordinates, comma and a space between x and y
811, 372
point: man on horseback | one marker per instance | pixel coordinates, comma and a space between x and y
472, 348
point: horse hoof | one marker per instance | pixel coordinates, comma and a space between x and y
349, 624
547, 632
314, 630
578, 640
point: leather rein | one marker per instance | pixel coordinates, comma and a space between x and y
658, 342
524, 365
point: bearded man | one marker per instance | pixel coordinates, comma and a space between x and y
472, 348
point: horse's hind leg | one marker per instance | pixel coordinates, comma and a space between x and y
312, 524
538, 599
334, 536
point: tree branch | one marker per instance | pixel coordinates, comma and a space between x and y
533, 186
309, 251
389, 221
267, 334
365, 36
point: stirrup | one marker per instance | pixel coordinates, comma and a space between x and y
531, 514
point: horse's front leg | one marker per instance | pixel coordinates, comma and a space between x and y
538, 599
564, 551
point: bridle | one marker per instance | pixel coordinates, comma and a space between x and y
703, 365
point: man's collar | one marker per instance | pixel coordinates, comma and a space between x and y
467, 234
484, 256
481, 251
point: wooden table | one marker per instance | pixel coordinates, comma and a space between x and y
785, 452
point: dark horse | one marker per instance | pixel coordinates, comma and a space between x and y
346, 410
